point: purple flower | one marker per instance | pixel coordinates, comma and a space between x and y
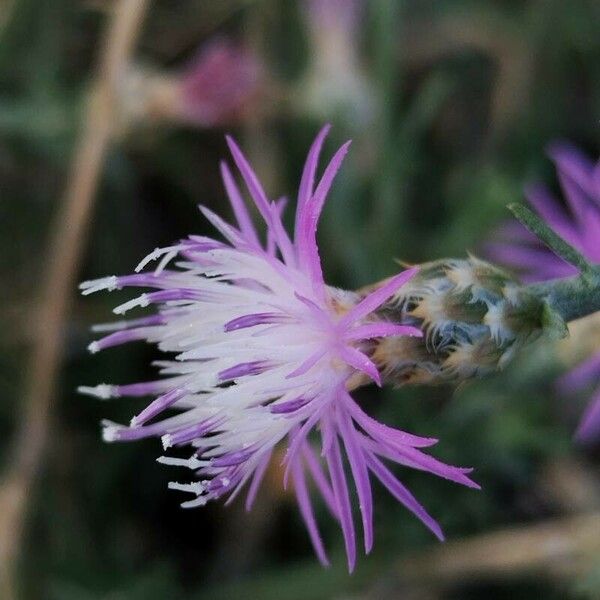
267, 354
220, 85
578, 222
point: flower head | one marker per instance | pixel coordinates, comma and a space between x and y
220, 85
578, 222
335, 81
266, 354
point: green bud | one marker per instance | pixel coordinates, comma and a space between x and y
474, 317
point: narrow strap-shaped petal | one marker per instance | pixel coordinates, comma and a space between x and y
342, 497
238, 205
548, 208
260, 199
307, 181
376, 298
573, 163
401, 493
252, 183
543, 263
296, 441
317, 312
119, 337
355, 358
581, 375
278, 233
307, 513
320, 479
590, 226
231, 234
306, 244
308, 364
376, 429
575, 176
257, 478
360, 474
271, 241
377, 330
157, 406
589, 427
411, 457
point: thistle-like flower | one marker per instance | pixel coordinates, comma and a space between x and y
579, 224
265, 353
219, 86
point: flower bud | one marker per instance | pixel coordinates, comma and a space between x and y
474, 316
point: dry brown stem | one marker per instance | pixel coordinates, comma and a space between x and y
563, 547
60, 272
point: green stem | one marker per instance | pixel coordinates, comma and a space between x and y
574, 297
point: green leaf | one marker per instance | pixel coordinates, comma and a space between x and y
530, 220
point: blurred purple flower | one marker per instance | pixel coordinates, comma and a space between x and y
578, 222
267, 353
220, 85
335, 82
340, 16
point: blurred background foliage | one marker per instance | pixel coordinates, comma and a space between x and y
450, 106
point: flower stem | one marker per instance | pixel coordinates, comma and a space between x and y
573, 297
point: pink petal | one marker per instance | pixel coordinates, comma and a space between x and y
321, 481
377, 330
361, 362
401, 493
549, 209
581, 375
308, 364
257, 478
360, 474
342, 498
239, 206
589, 427
231, 234
307, 181
375, 299
307, 513
260, 199
379, 431
307, 248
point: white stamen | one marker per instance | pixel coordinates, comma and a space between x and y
165, 261
199, 501
110, 431
104, 391
141, 301
105, 283
191, 463
114, 326
170, 251
196, 487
